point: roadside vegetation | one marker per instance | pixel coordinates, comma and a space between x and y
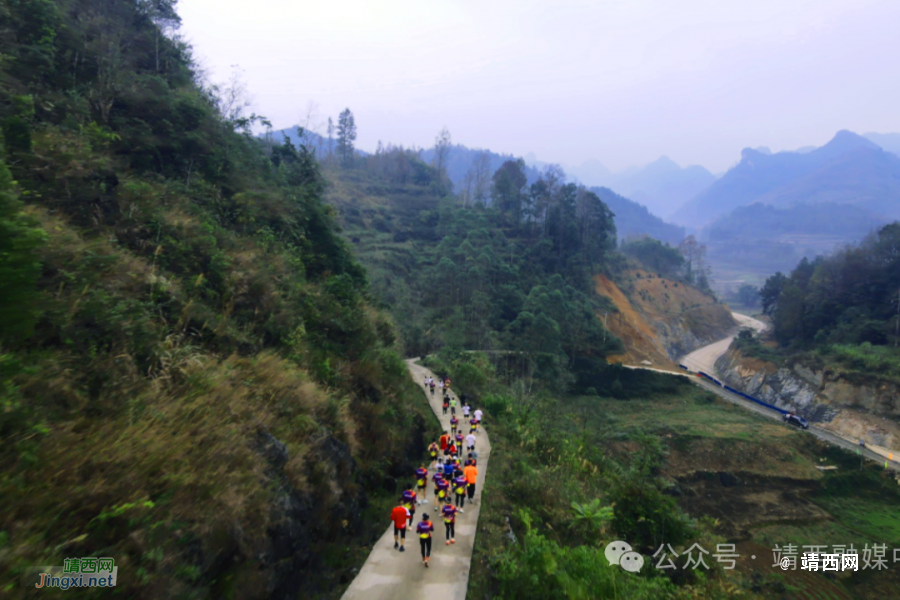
659, 461
192, 371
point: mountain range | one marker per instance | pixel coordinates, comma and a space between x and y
849, 169
776, 205
662, 186
771, 210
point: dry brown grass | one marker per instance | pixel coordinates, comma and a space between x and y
188, 440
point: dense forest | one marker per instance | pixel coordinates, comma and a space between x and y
192, 373
850, 297
843, 309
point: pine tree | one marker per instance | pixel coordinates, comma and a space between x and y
346, 131
330, 137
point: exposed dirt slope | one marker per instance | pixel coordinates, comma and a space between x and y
660, 319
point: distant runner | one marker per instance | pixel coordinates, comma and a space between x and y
478, 414
457, 468
449, 512
454, 423
453, 403
470, 442
433, 453
465, 410
431, 385
473, 425
409, 503
448, 470
438, 476
424, 529
459, 488
444, 441
446, 404
400, 517
443, 487
421, 482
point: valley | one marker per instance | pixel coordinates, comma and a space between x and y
217, 327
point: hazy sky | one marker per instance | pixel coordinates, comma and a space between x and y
622, 81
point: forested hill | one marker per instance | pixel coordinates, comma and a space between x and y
849, 298
192, 378
511, 276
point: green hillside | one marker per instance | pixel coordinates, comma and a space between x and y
515, 276
192, 375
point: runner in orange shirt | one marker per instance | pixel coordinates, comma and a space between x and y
471, 474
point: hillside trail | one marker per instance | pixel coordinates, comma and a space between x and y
391, 575
704, 359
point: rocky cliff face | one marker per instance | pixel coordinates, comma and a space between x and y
867, 410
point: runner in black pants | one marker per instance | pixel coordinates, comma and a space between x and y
424, 529
459, 488
449, 512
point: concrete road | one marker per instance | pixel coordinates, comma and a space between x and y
704, 359
391, 575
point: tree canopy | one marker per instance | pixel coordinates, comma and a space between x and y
850, 297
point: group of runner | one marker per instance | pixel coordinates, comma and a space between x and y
442, 385
454, 478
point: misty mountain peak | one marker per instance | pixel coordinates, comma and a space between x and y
663, 163
845, 141
751, 153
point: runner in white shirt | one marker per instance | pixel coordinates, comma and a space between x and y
440, 385
470, 442
466, 410
478, 414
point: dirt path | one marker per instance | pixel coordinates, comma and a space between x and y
704, 359
392, 575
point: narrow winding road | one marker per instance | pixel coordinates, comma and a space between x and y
704, 359
391, 575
